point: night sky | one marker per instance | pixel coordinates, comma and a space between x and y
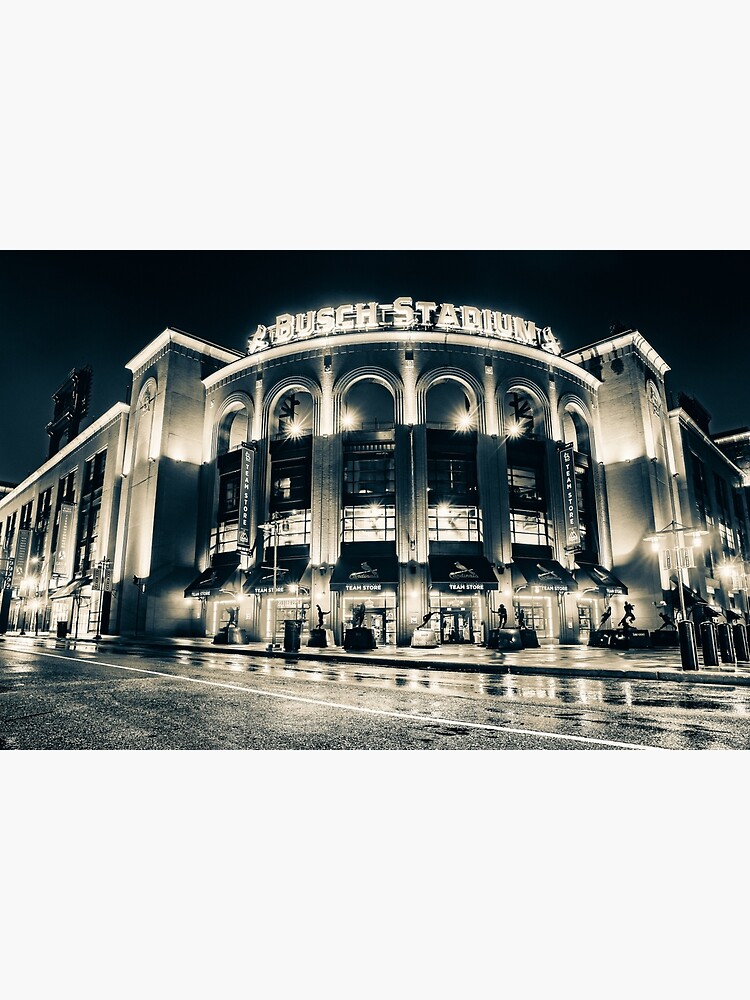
60, 311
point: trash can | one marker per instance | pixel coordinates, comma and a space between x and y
62, 630
292, 631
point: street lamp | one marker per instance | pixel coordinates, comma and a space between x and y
679, 556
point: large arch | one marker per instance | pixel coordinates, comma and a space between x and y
377, 376
510, 424
470, 386
232, 424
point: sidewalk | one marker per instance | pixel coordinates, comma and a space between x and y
561, 661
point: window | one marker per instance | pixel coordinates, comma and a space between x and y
369, 523
528, 506
369, 471
450, 523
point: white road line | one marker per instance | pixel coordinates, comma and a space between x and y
406, 716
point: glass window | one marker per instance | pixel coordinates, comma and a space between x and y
369, 523
451, 523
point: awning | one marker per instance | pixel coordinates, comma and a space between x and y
462, 574
288, 572
365, 574
70, 588
603, 579
213, 580
542, 574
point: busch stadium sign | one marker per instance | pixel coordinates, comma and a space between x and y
402, 314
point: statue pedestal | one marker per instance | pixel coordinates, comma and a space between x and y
507, 638
356, 640
317, 638
529, 638
424, 638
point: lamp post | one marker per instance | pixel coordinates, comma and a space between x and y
679, 556
273, 527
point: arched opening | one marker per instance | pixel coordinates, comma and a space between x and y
368, 406
576, 431
233, 430
231, 434
521, 415
369, 466
528, 486
453, 510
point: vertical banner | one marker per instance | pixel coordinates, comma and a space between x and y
107, 577
8, 573
23, 545
62, 565
570, 498
246, 481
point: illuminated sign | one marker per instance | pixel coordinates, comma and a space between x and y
402, 314
363, 586
570, 498
246, 479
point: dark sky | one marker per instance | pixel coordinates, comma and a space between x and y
60, 311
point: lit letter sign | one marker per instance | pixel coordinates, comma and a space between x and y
246, 481
402, 314
570, 498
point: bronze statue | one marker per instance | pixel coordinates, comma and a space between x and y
321, 615
358, 616
628, 617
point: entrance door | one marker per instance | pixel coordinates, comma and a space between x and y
456, 625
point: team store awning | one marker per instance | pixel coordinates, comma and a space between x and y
216, 579
603, 579
294, 573
462, 575
371, 574
542, 574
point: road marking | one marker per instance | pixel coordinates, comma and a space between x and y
407, 716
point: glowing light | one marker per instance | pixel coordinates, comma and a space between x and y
347, 421
295, 429
465, 422
443, 510
514, 429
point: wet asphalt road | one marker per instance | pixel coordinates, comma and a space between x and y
55, 698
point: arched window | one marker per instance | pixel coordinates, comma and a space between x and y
368, 406
576, 431
452, 487
292, 416
369, 477
521, 415
233, 430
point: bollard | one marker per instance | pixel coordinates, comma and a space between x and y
709, 644
739, 634
726, 643
688, 652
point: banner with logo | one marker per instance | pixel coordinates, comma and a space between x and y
23, 546
570, 498
246, 483
63, 562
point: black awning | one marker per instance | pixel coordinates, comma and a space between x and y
214, 579
542, 574
603, 579
462, 574
288, 572
372, 573
70, 588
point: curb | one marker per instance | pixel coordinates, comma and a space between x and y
503, 665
